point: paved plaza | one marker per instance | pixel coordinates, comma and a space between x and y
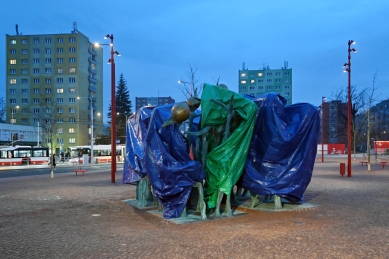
86, 217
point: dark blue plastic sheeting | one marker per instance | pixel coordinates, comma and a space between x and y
283, 148
137, 127
171, 171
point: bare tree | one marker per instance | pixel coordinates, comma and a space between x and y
192, 86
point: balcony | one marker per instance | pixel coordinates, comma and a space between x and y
93, 80
92, 61
92, 89
91, 70
91, 51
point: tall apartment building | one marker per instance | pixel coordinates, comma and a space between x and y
54, 80
335, 122
152, 101
266, 80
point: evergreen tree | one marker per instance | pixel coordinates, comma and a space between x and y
123, 108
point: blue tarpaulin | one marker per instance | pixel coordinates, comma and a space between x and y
171, 171
283, 148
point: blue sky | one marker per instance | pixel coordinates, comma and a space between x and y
159, 39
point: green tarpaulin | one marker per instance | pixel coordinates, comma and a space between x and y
225, 162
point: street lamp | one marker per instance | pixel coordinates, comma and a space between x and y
347, 67
12, 122
323, 100
183, 82
91, 124
113, 106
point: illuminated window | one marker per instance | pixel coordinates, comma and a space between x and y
252, 81
260, 74
60, 70
243, 74
12, 42
12, 81
60, 91
72, 70
243, 81
12, 61
72, 130
72, 90
72, 140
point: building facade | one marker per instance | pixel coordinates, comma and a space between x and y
334, 118
55, 80
152, 101
266, 80
13, 135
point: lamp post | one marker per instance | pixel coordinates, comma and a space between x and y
113, 106
12, 122
348, 69
323, 100
183, 82
91, 124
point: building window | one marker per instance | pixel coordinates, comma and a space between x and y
24, 111
24, 42
286, 80
60, 140
72, 140
278, 87
268, 87
60, 130
252, 87
24, 61
260, 81
72, 130
12, 42
260, 74
48, 60
59, 100
286, 87
48, 80
24, 51
72, 90
36, 40
12, 51
48, 90
36, 100
24, 91
24, 81
60, 120
12, 91
269, 80
72, 100
12, 71
48, 70
12, 121
12, 61
278, 73
72, 70
59, 70
60, 91
72, 110
72, 80
36, 90
36, 120
60, 50
286, 74
60, 80
12, 81
12, 100
72, 120
252, 81
36, 80
287, 94
35, 110
36, 51
60, 110
24, 121
35, 60
72, 39
24, 72
269, 74
243, 88
12, 111
72, 60
35, 71
24, 100
72, 50
243, 81
48, 100
48, 50
48, 40
60, 40
60, 60
243, 74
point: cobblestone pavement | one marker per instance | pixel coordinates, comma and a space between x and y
84, 217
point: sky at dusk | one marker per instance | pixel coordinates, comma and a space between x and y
158, 40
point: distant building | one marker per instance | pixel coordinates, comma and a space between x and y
11, 135
152, 101
379, 121
335, 122
57, 74
266, 80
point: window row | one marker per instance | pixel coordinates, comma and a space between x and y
244, 74
38, 100
261, 81
46, 40
48, 110
60, 80
47, 90
269, 87
37, 61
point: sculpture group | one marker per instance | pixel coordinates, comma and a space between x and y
230, 142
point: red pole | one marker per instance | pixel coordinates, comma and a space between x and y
322, 129
349, 112
113, 114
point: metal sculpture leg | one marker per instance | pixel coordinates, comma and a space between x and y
201, 204
277, 202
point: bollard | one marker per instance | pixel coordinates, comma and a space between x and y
342, 168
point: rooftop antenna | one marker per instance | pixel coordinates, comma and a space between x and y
285, 64
243, 65
17, 29
74, 27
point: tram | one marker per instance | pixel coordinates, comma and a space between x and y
19, 155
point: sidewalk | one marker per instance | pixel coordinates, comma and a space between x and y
85, 217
